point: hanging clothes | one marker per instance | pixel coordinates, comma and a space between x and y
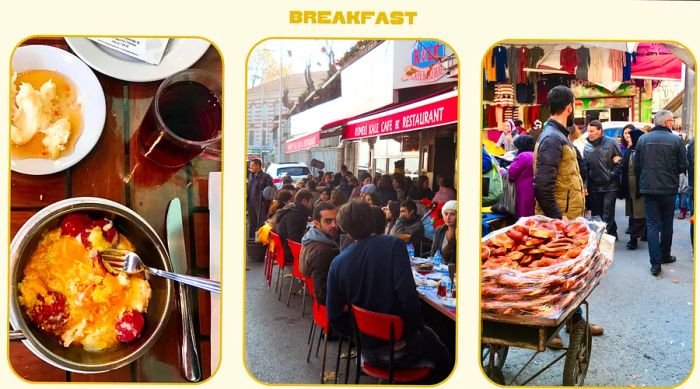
533, 114
523, 54
627, 70
513, 64
504, 95
489, 68
597, 63
535, 55
490, 91
499, 60
524, 93
542, 90
568, 60
583, 59
491, 120
617, 62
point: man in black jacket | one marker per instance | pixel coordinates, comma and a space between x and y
319, 247
257, 205
374, 273
602, 155
291, 221
659, 159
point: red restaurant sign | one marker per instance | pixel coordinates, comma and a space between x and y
303, 142
431, 112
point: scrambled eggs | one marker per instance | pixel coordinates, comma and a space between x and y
67, 291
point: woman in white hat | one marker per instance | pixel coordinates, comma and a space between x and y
445, 238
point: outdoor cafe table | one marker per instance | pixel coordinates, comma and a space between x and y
115, 170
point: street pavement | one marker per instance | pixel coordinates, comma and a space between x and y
647, 320
276, 336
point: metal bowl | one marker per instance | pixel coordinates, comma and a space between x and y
150, 248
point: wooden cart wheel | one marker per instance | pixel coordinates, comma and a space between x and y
578, 354
501, 352
495, 375
494, 370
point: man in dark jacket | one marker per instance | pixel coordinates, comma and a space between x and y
409, 223
319, 247
290, 221
659, 160
256, 206
374, 273
558, 183
602, 155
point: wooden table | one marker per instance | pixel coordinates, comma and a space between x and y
115, 170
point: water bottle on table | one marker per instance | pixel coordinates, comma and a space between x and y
437, 259
411, 250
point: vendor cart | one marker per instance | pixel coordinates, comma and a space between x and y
499, 332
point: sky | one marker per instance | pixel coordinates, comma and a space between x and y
301, 50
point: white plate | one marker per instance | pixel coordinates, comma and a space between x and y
180, 54
435, 276
90, 96
450, 303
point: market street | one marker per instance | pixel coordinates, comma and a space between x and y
647, 320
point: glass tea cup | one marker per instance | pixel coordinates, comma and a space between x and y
183, 120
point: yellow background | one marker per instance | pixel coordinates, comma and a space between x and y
236, 26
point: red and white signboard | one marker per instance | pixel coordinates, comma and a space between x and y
303, 142
433, 111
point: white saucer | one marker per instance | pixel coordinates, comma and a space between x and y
180, 54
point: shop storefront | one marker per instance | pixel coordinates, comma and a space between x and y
393, 113
612, 81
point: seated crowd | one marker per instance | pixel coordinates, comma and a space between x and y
354, 250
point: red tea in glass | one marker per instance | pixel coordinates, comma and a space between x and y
183, 120
442, 289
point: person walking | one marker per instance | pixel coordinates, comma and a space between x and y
629, 190
659, 160
602, 155
257, 206
559, 189
520, 171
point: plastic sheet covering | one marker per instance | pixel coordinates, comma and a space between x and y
538, 266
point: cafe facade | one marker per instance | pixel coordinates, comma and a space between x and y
398, 106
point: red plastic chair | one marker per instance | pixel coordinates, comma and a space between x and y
279, 260
271, 257
388, 328
320, 320
296, 274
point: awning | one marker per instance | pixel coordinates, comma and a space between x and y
303, 142
656, 62
428, 112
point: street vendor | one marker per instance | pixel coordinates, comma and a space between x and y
559, 189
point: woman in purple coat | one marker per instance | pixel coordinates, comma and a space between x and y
521, 172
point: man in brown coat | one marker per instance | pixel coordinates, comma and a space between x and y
559, 188
319, 247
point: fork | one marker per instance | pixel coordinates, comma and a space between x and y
117, 260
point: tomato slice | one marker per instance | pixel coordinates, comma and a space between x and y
130, 326
49, 313
74, 224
